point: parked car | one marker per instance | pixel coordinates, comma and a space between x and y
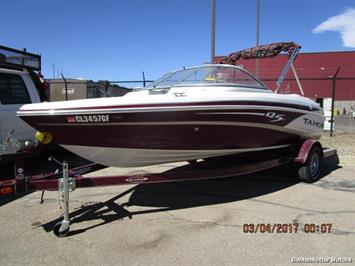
20, 83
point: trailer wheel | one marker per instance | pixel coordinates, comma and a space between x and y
310, 171
57, 232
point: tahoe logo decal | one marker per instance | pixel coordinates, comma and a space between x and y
314, 123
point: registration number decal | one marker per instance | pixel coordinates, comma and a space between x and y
88, 119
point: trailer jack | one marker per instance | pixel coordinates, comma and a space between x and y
66, 184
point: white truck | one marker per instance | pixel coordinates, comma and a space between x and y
20, 83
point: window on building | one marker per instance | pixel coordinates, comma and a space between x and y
13, 90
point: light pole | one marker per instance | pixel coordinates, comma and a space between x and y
257, 35
213, 27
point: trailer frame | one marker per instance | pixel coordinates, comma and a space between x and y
301, 155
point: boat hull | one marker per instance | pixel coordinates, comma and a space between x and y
128, 137
124, 157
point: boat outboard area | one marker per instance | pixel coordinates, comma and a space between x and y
178, 117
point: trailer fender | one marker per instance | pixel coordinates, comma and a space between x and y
304, 150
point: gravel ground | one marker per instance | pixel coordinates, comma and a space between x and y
344, 143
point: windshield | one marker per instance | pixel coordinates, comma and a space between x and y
208, 75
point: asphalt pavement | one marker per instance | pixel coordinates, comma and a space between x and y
229, 221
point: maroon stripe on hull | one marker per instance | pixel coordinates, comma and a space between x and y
196, 135
232, 103
171, 137
179, 137
271, 117
207, 115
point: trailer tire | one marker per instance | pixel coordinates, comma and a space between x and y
310, 171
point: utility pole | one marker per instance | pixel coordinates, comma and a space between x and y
333, 99
257, 35
144, 82
66, 87
213, 29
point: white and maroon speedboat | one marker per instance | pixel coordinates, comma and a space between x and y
193, 113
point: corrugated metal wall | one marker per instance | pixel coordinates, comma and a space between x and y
315, 71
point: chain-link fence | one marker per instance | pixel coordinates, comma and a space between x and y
343, 91
345, 123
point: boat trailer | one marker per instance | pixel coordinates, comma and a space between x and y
307, 157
